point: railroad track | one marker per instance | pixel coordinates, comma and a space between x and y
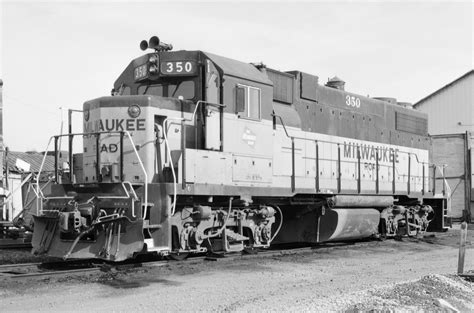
25, 270
38, 269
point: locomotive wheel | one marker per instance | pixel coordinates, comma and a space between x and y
178, 256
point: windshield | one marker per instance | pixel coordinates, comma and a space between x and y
186, 89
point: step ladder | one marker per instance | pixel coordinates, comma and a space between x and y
236, 244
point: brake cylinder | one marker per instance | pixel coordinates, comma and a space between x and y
202, 212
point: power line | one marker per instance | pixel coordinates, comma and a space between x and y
21, 102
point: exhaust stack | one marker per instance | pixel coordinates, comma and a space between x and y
336, 83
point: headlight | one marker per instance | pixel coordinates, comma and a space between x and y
134, 111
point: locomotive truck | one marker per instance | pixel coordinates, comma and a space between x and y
195, 152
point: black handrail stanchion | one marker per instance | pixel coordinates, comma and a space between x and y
121, 155
358, 171
71, 163
317, 166
377, 186
409, 173
292, 164
339, 168
56, 138
434, 180
393, 171
183, 155
423, 183
444, 185
70, 146
97, 156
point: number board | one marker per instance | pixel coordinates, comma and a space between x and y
140, 72
352, 101
178, 68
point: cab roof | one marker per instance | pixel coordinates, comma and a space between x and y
239, 69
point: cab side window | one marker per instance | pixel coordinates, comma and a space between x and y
247, 102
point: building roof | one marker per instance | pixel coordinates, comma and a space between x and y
443, 88
32, 158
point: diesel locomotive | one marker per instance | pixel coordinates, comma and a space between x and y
194, 152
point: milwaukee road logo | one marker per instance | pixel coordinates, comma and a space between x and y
249, 137
128, 124
369, 152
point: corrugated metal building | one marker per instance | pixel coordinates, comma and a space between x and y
450, 108
450, 112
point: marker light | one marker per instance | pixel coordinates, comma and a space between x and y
153, 60
153, 69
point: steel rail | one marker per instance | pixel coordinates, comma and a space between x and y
24, 270
6, 266
29, 270
7, 270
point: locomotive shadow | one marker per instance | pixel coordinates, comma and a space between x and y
124, 283
327, 250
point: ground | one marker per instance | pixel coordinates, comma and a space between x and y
407, 275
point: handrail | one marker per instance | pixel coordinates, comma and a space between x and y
335, 143
282, 124
203, 102
135, 197
395, 169
40, 192
183, 147
143, 169
168, 150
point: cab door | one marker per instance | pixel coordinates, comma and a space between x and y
212, 113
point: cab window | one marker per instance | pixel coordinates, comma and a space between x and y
186, 89
126, 91
123, 90
247, 102
155, 90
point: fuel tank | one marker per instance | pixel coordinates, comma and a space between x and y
347, 223
321, 224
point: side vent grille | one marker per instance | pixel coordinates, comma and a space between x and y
411, 124
309, 84
282, 86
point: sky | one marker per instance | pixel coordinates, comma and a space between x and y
60, 54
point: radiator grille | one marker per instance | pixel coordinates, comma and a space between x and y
411, 124
282, 86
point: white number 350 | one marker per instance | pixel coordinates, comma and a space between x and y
352, 101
